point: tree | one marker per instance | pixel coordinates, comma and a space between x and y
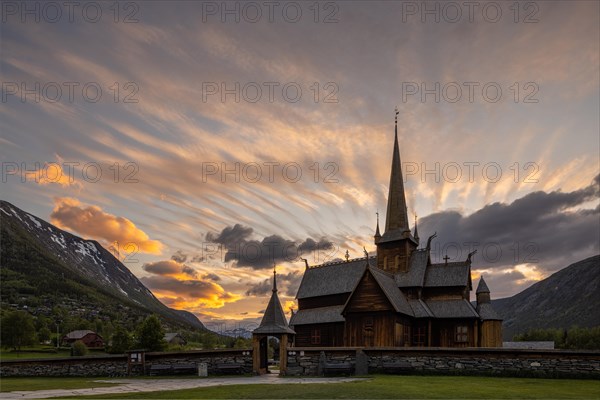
17, 330
120, 341
79, 349
44, 334
151, 335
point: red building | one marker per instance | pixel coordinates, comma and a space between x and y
89, 338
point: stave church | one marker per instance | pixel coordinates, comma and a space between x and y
397, 297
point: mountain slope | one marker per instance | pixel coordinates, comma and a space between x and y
569, 297
42, 260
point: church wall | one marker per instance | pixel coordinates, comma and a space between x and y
323, 301
454, 333
490, 334
368, 297
331, 334
371, 329
387, 253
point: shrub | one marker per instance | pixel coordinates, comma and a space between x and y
79, 349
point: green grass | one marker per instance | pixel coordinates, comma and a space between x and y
41, 351
13, 355
13, 384
398, 387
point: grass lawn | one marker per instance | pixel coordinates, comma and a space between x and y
398, 387
13, 355
40, 352
12, 384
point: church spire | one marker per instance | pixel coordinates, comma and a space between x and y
416, 235
274, 279
396, 218
377, 234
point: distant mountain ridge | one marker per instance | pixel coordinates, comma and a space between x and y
30, 245
567, 298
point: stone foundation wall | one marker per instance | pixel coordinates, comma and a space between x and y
117, 365
498, 362
310, 361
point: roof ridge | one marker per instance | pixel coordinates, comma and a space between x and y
327, 264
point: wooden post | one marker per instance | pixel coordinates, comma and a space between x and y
256, 354
283, 345
429, 334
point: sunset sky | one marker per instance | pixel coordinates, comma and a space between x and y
217, 148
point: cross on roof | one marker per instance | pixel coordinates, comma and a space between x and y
446, 258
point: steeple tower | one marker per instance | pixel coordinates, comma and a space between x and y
396, 217
377, 234
274, 320
395, 246
416, 235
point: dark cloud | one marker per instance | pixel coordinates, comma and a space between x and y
230, 236
539, 228
169, 267
310, 245
179, 256
212, 277
165, 267
286, 283
189, 271
262, 254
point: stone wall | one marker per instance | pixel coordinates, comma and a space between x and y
310, 361
500, 362
117, 365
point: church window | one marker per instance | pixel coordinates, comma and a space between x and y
419, 336
462, 334
315, 336
385, 263
396, 262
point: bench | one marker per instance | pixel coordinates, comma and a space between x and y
396, 366
172, 369
185, 368
230, 368
160, 369
344, 368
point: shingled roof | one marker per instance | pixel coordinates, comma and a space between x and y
487, 312
76, 335
482, 287
320, 315
415, 275
451, 274
460, 308
420, 309
333, 278
274, 321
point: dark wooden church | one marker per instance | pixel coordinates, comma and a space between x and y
396, 298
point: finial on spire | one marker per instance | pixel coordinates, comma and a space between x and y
347, 256
396, 115
416, 235
377, 233
274, 278
366, 252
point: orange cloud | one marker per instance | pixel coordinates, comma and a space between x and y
91, 221
191, 295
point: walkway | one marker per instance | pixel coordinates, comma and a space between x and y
154, 385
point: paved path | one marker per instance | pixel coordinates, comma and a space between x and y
154, 385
